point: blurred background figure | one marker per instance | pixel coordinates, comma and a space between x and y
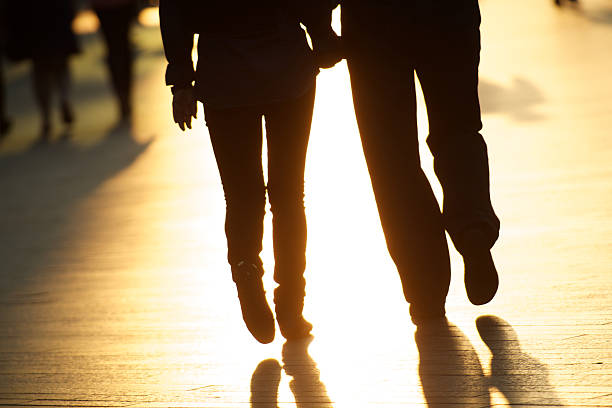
116, 17
5, 122
42, 32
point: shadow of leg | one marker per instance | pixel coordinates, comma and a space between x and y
449, 368
520, 377
264, 384
306, 385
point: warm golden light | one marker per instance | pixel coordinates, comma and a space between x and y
149, 17
115, 288
85, 22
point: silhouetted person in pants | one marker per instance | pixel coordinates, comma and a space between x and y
116, 18
254, 62
386, 43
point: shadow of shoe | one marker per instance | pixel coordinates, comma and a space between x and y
306, 384
449, 369
521, 378
264, 384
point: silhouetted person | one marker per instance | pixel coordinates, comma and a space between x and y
42, 32
254, 62
116, 17
386, 42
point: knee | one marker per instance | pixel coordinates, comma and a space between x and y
286, 198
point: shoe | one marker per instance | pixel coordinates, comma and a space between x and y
256, 312
421, 314
481, 279
293, 327
289, 304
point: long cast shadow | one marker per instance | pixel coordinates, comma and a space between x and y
449, 368
40, 191
521, 378
306, 385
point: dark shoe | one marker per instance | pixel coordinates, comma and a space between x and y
481, 280
293, 327
424, 314
289, 304
255, 310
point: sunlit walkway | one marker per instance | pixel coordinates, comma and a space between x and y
114, 289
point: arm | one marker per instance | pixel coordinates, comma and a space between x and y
177, 38
316, 15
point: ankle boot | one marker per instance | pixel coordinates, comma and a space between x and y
289, 306
256, 312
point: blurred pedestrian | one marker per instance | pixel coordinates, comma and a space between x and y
116, 18
42, 32
254, 62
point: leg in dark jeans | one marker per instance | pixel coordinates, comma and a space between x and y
287, 134
236, 137
447, 67
385, 106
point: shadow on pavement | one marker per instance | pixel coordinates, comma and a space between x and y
521, 378
306, 385
264, 384
449, 368
519, 100
41, 189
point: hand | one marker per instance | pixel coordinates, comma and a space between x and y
329, 52
184, 107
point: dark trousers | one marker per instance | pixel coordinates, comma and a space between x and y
236, 136
115, 25
382, 68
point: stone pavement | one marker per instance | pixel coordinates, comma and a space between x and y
114, 288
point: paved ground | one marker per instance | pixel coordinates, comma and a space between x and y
115, 292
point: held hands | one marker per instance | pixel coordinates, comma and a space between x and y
184, 107
328, 50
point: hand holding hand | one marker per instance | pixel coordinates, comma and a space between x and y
184, 107
329, 51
